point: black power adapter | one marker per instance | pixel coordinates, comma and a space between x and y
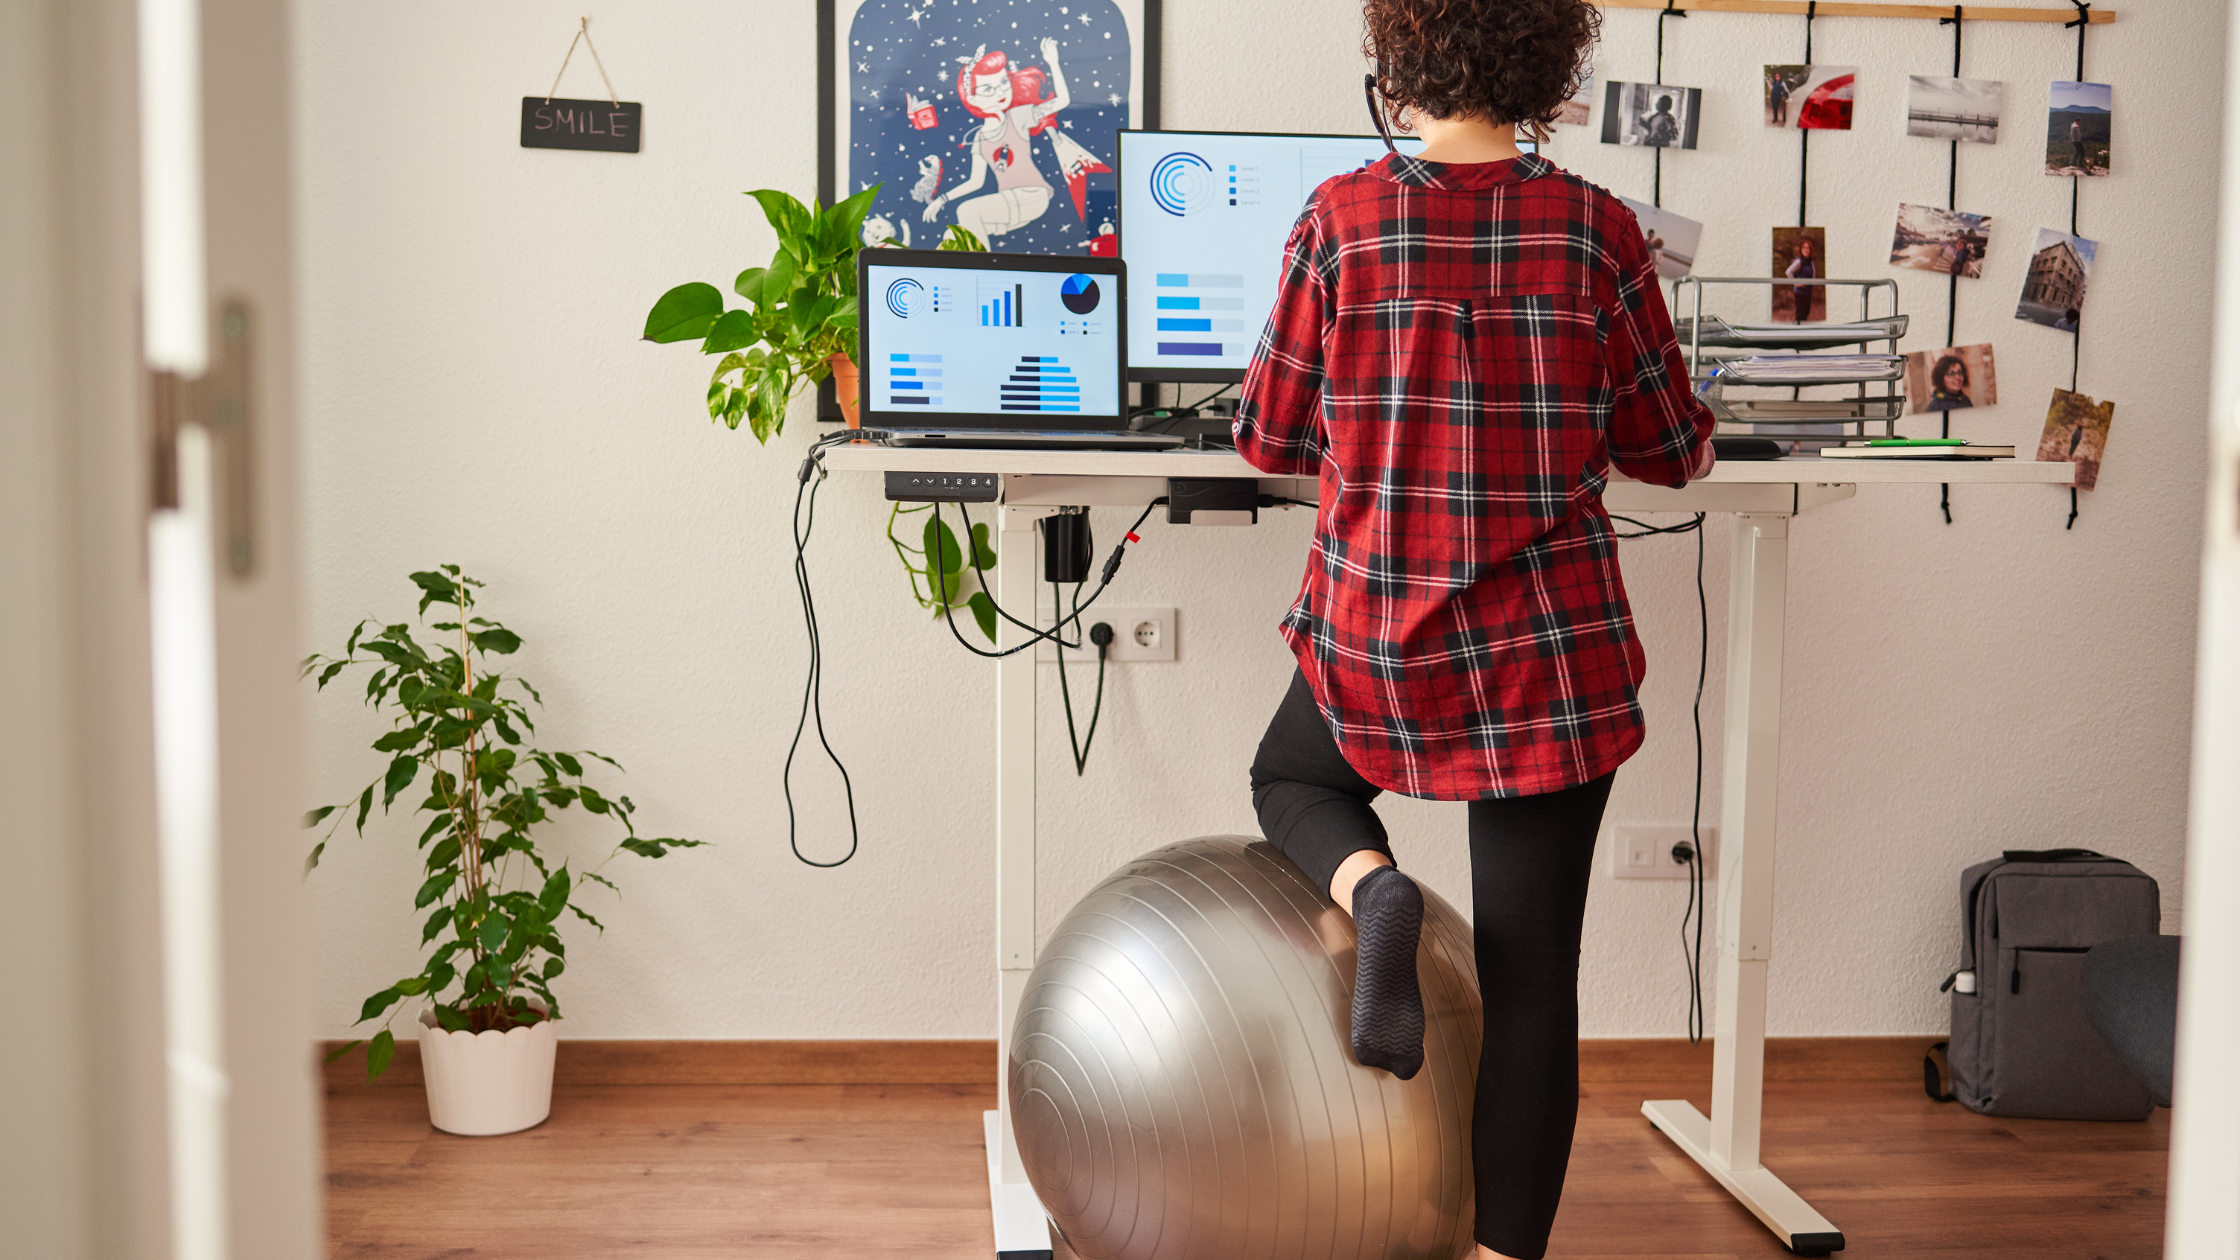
1066, 546
1213, 501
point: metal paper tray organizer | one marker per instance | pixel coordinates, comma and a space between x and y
1750, 374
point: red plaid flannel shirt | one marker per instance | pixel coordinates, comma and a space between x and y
1461, 353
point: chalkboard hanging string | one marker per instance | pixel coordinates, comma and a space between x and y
583, 32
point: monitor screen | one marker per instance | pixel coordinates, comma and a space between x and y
1009, 341
1203, 218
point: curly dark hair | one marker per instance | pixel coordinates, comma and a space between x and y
1508, 61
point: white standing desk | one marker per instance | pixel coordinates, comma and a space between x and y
1761, 496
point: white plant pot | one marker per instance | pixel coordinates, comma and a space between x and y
489, 1082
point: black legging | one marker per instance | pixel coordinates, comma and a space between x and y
1530, 858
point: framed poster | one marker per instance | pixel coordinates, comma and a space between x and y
998, 116
995, 114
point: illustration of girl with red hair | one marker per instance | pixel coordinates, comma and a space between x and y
1011, 103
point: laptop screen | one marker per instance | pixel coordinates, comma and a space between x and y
998, 341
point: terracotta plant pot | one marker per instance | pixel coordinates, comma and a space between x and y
844, 382
486, 1083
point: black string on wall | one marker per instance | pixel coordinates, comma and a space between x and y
2076, 349
1656, 177
1952, 281
1804, 133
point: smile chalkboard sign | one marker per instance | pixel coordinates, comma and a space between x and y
602, 126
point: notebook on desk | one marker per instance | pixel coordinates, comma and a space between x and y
975, 350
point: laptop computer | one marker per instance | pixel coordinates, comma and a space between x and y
979, 350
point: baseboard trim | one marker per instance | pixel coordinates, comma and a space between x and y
1787, 1058
1601, 1060
591, 1062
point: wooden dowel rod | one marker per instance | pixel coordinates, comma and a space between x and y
1845, 8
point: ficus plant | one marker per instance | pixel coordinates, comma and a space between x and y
495, 900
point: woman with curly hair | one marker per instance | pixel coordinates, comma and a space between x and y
1464, 344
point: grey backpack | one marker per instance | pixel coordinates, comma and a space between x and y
2021, 1045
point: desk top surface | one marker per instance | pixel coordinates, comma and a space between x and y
1806, 470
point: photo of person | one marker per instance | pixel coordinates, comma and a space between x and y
2077, 128
1950, 379
1810, 98
1931, 238
2053, 286
1953, 109
2077, 432
1799, 253
1672, 238
1650, 114
1576, 105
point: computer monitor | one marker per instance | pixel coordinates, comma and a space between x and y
1203, 218
953, 339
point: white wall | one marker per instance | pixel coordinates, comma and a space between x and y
477, 394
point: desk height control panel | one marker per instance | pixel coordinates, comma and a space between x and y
925, 487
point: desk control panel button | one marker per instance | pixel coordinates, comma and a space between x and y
924, 487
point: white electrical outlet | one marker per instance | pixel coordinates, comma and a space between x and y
1638, 852
1138, 634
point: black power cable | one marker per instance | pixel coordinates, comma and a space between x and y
1104, 579
1698, 899
1101, 635
809, 479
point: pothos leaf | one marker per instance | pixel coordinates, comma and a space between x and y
983, 613
683, 313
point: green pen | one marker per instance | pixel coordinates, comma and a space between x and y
1917, 441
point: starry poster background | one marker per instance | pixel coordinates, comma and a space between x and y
900, 112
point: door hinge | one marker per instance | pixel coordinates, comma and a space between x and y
218, 400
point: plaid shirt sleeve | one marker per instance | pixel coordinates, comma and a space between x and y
1278, 428
1659, 431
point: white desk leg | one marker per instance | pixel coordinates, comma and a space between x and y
1726, 1143
1022, 1229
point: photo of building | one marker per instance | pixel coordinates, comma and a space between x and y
2053, 287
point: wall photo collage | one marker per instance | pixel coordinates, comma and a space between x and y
1946, 240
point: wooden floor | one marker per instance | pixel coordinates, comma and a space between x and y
897, 1170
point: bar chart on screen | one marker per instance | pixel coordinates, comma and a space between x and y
1038, 382
914, 380
1002, 305
1199, 313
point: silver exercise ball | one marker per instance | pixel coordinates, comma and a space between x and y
1182, 1083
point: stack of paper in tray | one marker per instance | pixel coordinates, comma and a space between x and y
1720, 332
1812, 369
1917, 448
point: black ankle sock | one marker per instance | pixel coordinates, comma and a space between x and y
1387, 1004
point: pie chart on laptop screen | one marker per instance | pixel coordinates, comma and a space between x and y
1079, 293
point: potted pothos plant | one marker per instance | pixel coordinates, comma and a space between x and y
495, 899
796, 326
798, 322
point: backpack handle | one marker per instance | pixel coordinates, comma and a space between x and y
2052, 855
